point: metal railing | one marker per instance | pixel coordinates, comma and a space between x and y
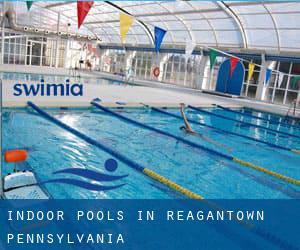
293, 107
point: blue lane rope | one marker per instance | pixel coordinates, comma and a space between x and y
145, 126
153, 175
248, 123
108, 150
136, 166
257, 117
221, 130
195, 145
274, 115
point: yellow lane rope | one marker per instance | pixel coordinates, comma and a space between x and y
266, 171
296, 151
171, 184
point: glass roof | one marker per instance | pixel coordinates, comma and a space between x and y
266, 25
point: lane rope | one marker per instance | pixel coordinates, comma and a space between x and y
296, 151
195, 145
248, 123
257, 117
224, 131
136, 166
269, 172
145, 126
155, 176
172, 184
285, 118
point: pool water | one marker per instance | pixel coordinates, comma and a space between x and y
57, 79
52, 148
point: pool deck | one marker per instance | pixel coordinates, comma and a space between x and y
146, 92
110, 94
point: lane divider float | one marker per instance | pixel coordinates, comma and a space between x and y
296, 151
247, 123
285, 118
136, 166
155, 176
195, 145
257, 117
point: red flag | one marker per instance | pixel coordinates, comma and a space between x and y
233, 62
83, 9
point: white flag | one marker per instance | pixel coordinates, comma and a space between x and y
189, 48
280, 79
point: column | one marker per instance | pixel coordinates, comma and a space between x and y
57, 41
261, 89
203, 78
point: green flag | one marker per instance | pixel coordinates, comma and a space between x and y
295, 80
212, 56
29, 4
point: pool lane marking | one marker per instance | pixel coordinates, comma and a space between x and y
257, 117
274, 115
267, 171
155, 176
171, 184
224, 131
296, 151
145, 126
195, 145
136, 166
248, 123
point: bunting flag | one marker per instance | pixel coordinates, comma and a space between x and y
189, 48
268, 76
280, 79
295, 80
83, 8
159, 35
233, 63
251, 67
125, 23
29, 4
212, 57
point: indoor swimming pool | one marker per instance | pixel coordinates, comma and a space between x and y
52, 148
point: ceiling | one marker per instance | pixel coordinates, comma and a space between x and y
267, 25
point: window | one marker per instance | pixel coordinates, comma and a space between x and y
23, 49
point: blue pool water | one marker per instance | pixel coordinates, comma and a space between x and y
52, 149
56, 79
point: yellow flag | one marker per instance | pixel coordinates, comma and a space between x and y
125, 23
250, 71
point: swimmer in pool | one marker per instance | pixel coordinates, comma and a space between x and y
188, 129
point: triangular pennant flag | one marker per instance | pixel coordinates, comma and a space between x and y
212, 57
280, 79
233, 63
295, 80
83, 8
29, 4
159, 35
251, 67
125, 23
268, 75
189, 48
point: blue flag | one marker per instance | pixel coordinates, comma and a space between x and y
268, 75
159, 34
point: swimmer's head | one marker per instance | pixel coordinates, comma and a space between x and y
182, 105
182, 128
